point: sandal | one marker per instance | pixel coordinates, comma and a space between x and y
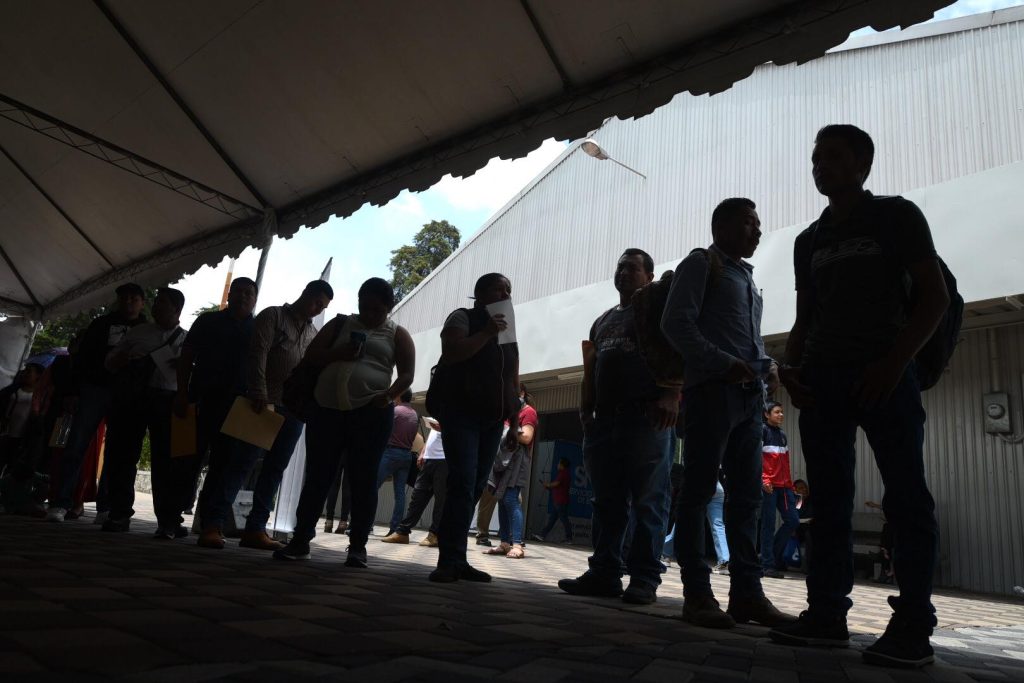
501, 549
517, 552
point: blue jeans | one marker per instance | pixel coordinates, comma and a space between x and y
93, 405
395, 463
722, 430
510, 517
895, 432
627, 459
558, 512
773, 543
359, 436
469, 448
238, 467
717, 523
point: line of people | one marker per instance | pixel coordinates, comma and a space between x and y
870, 293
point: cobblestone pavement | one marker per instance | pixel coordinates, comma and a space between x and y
79, 604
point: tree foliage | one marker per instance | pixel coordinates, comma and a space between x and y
430, 246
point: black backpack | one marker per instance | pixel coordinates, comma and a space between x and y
933, 358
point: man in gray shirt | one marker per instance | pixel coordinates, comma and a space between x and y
713, 318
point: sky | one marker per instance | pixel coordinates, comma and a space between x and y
361, 244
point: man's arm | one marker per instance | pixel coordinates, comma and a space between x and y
263, 333
929, 301
682, 310
789, 374
588, 393
405, 364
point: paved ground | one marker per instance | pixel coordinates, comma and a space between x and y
125, 607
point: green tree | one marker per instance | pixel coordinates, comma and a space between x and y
208, 308
413, 262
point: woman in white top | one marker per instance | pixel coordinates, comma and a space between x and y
355, 396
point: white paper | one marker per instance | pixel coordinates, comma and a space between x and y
164, 358
508, 336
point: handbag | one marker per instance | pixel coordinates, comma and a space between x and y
297, 393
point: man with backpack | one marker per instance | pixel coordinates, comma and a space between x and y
871, 292
713, 319
627, 447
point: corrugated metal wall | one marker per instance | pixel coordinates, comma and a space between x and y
938, 108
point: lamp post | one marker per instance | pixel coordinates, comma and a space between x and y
593, 149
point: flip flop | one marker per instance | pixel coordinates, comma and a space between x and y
500, 549
516, 553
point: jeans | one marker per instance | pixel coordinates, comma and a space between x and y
895, 432
211, 411
395, 463
628, 460
341, 485
722, 430
237, 469
717, 523
510, 517
361, 436
469, 448
773, 543
431, 481
93, 405
559, 511
128, 424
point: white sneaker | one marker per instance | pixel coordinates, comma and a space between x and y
101, 517
56, 514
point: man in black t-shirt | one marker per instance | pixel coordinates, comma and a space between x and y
870, 293
211, 373
627, 447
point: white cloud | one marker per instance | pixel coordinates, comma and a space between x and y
495, 184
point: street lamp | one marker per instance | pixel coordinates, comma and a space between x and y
593, 149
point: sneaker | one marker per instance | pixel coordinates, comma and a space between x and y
537, 537
180, 531
429, 542
162, 534
468, 573
904, 644
259, 540
356, 558
705, 611
101, 516
56, 514
396, 538
293, 551
640, 593
760, 610
814, 631
590, 584
115, 525
773, 574
211, 538
722, 569
484, 541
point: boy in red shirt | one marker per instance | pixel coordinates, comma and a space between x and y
559, 487
777, 487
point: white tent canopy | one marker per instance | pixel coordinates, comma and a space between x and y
139, 140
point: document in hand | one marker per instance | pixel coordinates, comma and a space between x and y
245, 424
183, 433
508, 336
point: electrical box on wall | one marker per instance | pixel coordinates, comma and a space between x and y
997, 413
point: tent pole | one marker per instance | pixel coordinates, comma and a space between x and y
263, 261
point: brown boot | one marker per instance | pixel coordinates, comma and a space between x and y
395, 538
430, 541
259, 540
211, 538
